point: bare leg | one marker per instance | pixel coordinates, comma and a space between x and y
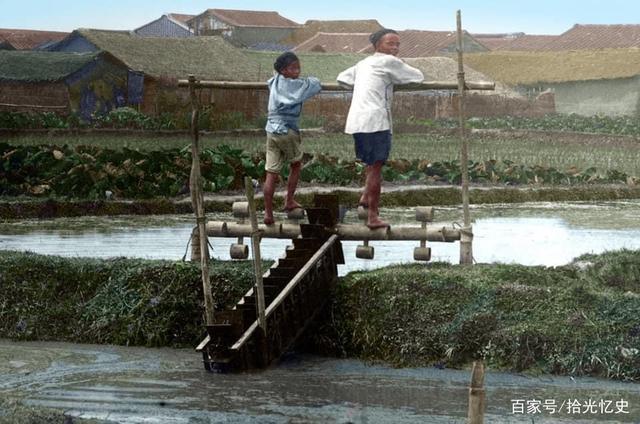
364, 198
268, 189
374, 182
292, 183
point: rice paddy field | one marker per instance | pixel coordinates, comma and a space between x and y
621, 154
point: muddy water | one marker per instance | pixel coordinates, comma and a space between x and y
530, 234
138, 385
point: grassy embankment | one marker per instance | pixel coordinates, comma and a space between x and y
576, 319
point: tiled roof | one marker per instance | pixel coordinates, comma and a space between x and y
527, 43
249, 18
182, 18
415, 43
312, 27
336, 43
581, 37
494, 41
26, 39
425, 43
164, 26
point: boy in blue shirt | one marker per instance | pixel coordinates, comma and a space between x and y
287, 92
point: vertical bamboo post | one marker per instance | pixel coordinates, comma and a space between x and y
197, 199
255, 248
466, 236
476, 394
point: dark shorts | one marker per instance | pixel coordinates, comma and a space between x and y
373, 147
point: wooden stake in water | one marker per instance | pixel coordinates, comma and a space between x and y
255, 248
466, 240
195, 185
476, 394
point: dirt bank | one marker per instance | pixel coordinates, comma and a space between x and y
392, 195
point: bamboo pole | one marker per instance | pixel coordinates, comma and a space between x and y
425, 85
255, 248
195, 184
476, 394
432, 233
466, 241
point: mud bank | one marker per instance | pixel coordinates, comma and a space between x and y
392, 196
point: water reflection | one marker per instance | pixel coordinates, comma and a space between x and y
530, 234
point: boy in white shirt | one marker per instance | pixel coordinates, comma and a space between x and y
369, 118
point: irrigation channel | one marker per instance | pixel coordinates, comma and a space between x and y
530, 234
136, 385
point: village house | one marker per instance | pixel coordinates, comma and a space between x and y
584, 82
168, 25
243, 28
331, 107
156, 63
64, 83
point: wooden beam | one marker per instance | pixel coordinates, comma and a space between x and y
197, 197
466, 243
255, 249
426, 85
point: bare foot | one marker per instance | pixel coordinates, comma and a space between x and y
291, 205
268, 220
377, 223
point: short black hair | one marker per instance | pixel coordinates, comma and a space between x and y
284, 60
376, 36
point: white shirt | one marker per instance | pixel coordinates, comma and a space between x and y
372, 80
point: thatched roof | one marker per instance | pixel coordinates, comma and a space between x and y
593, 37
327, 66
39, 66
205, 57
522, 68
437, 68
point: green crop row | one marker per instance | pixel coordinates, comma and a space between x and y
619, 125
90, 172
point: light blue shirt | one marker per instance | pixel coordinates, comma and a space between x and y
286, 96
